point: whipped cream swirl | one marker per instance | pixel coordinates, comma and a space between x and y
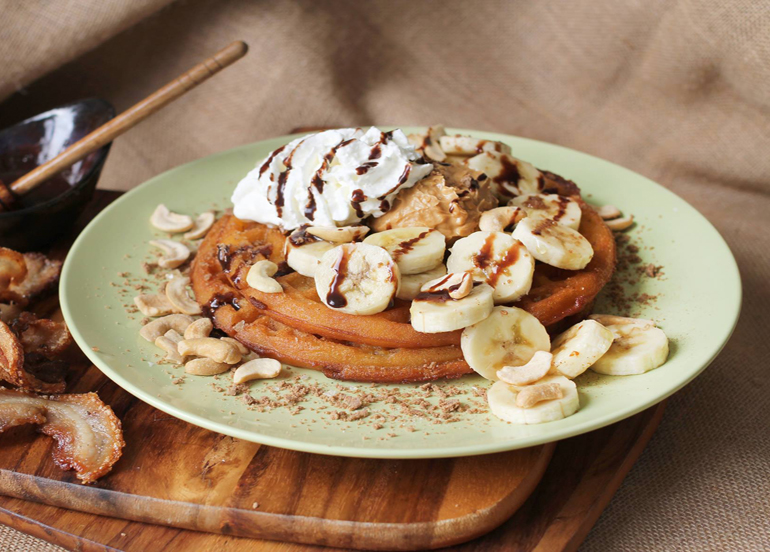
332, 178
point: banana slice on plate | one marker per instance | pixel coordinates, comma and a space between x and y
497, 259
437, 312
553, 243
357, 278
575, 350
638, 346
303, 252
509, 336
412, 283
509, 176
552, 206
504, 401
415, 249
467, 145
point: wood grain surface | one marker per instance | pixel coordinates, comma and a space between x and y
180, 487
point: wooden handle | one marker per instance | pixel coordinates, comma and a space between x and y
132, 116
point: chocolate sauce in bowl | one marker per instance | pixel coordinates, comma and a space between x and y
334, 297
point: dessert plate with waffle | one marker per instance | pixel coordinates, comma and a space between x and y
401, 292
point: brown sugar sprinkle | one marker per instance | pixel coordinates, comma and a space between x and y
629, 272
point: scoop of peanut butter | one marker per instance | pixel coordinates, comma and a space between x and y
450, 199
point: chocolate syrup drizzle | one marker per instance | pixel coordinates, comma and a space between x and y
317, 180
334, 297
357, 198
266, 164
218, 301
406, 246
483, 260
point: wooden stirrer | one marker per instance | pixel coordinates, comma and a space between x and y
123, 122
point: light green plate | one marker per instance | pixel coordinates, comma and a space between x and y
697, 307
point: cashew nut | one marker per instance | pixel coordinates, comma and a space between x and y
456, 284
622, 223
200, 328
167, 221
259, 368
160, 326
501, 218
238, 345
531, 395
175, 253
260, 277
169, 345
339, 234
205, 367
608, 212
201, 226
176, 293
210, 347
153, 304
532, 371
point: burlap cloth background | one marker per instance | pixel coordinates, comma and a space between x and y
676, 90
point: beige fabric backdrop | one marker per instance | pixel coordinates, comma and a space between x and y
674, 89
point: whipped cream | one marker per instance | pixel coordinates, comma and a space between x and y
332, 178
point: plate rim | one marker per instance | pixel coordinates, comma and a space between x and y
590, 424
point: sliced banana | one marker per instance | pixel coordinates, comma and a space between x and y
552, 206
509, 176
303, 254
575, 350
468, 145
357, 278
497, 259
638, 346
502, 402
338, 234
428, 143
553, 243
437, 312
415, 249
411, 284
509, 336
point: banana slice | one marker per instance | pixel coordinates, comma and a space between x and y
509, 176
552, 206
437, 312
575, 350
502, 402
357, 278
415, 249
428, 143
554, 243
510, 336
303, 253
467, 145
638, 346
411, 284
497, 259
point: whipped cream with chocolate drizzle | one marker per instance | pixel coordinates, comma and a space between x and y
331, 178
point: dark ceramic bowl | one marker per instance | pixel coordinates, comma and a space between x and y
48, 211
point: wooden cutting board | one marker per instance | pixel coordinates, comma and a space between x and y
180, 487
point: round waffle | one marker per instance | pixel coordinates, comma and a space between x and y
295, 327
